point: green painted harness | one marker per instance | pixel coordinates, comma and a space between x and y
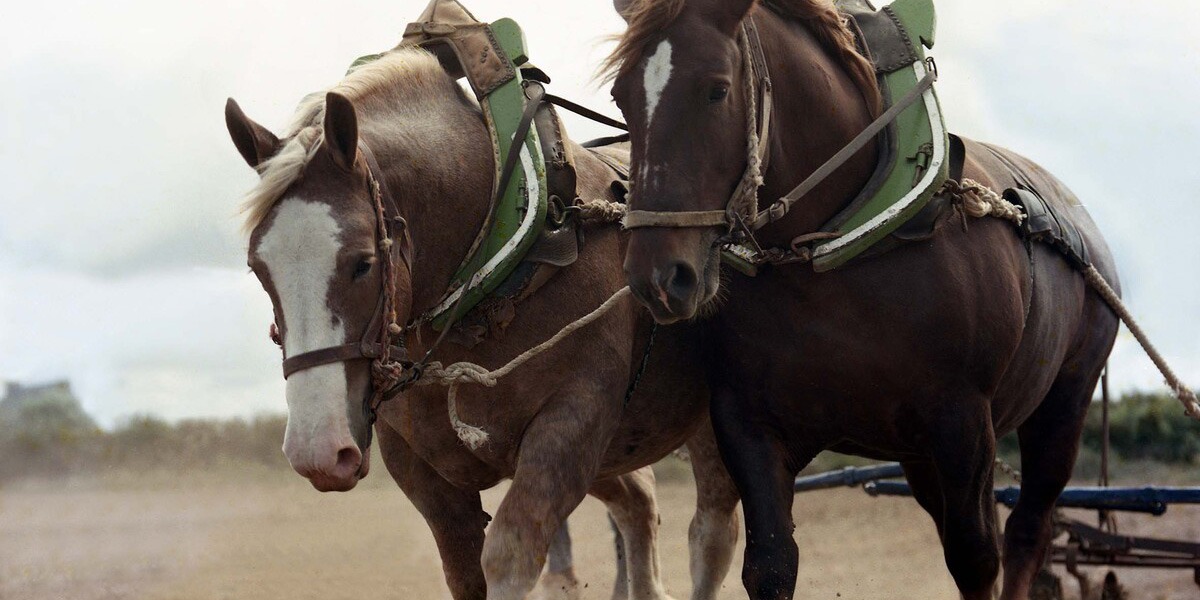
911, 133
517, 216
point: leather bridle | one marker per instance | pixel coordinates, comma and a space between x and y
742, 206
390, 368
741, 216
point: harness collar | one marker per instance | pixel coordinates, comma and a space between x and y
907, 182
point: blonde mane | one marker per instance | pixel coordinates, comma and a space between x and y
649, 17
410, 69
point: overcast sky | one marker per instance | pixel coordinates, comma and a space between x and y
121, 265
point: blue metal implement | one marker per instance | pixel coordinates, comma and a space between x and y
1151, 500
849, 477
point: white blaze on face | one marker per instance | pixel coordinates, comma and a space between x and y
300, 252
654, 81
655, 78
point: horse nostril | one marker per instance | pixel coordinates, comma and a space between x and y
348, 460
679, 281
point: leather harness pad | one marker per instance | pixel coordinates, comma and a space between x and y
891, 49
1043, 224
463, 45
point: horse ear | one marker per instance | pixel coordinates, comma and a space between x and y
729, 14
254, 142
341, 130
624, 8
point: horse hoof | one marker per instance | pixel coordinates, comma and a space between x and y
1046, 586
1112, 589
556, 586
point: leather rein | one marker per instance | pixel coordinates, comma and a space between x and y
741, 216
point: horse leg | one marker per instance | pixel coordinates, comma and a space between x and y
621, 581
927, 490
1049, 442
633, 508
963, 453
559, 581
759, 466
560, 455
455, 516
713, 532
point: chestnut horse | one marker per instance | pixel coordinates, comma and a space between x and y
923, 354
560, 427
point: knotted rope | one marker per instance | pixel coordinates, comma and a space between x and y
459, 373
745, 196
978, 200
604, 211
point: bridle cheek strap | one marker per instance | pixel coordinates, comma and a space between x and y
744, 200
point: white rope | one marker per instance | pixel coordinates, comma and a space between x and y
746, 192
977, 200
1008, 469
1182, 393
466, 372
604, 211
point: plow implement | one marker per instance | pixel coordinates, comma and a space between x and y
1084, 544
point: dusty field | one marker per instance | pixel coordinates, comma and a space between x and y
210, 537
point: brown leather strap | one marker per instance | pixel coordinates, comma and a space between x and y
674, 218
334, 354
781, 207
584, 111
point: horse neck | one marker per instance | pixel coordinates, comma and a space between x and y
818, 108
439, 166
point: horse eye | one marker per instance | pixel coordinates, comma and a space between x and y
718, 93
362, 268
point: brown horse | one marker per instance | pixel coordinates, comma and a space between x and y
922, 354
559, 427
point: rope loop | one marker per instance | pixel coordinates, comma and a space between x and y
459, 373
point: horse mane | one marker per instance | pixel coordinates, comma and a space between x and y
832, 30
410, 69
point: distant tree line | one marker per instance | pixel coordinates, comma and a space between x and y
54, 439
43, 441
1141, 426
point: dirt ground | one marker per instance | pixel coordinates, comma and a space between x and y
207, 536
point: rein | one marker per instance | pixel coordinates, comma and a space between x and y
741, 216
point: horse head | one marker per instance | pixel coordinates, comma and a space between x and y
678, 74
318, 248
691, 77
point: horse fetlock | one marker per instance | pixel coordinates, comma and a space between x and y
560, 585
510, 566
769, 571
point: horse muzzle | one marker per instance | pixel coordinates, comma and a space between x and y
667, 274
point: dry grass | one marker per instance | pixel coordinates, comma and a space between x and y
267, 534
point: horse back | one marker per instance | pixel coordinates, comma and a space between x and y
1002, 170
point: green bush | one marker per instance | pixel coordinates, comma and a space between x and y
1146, 427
